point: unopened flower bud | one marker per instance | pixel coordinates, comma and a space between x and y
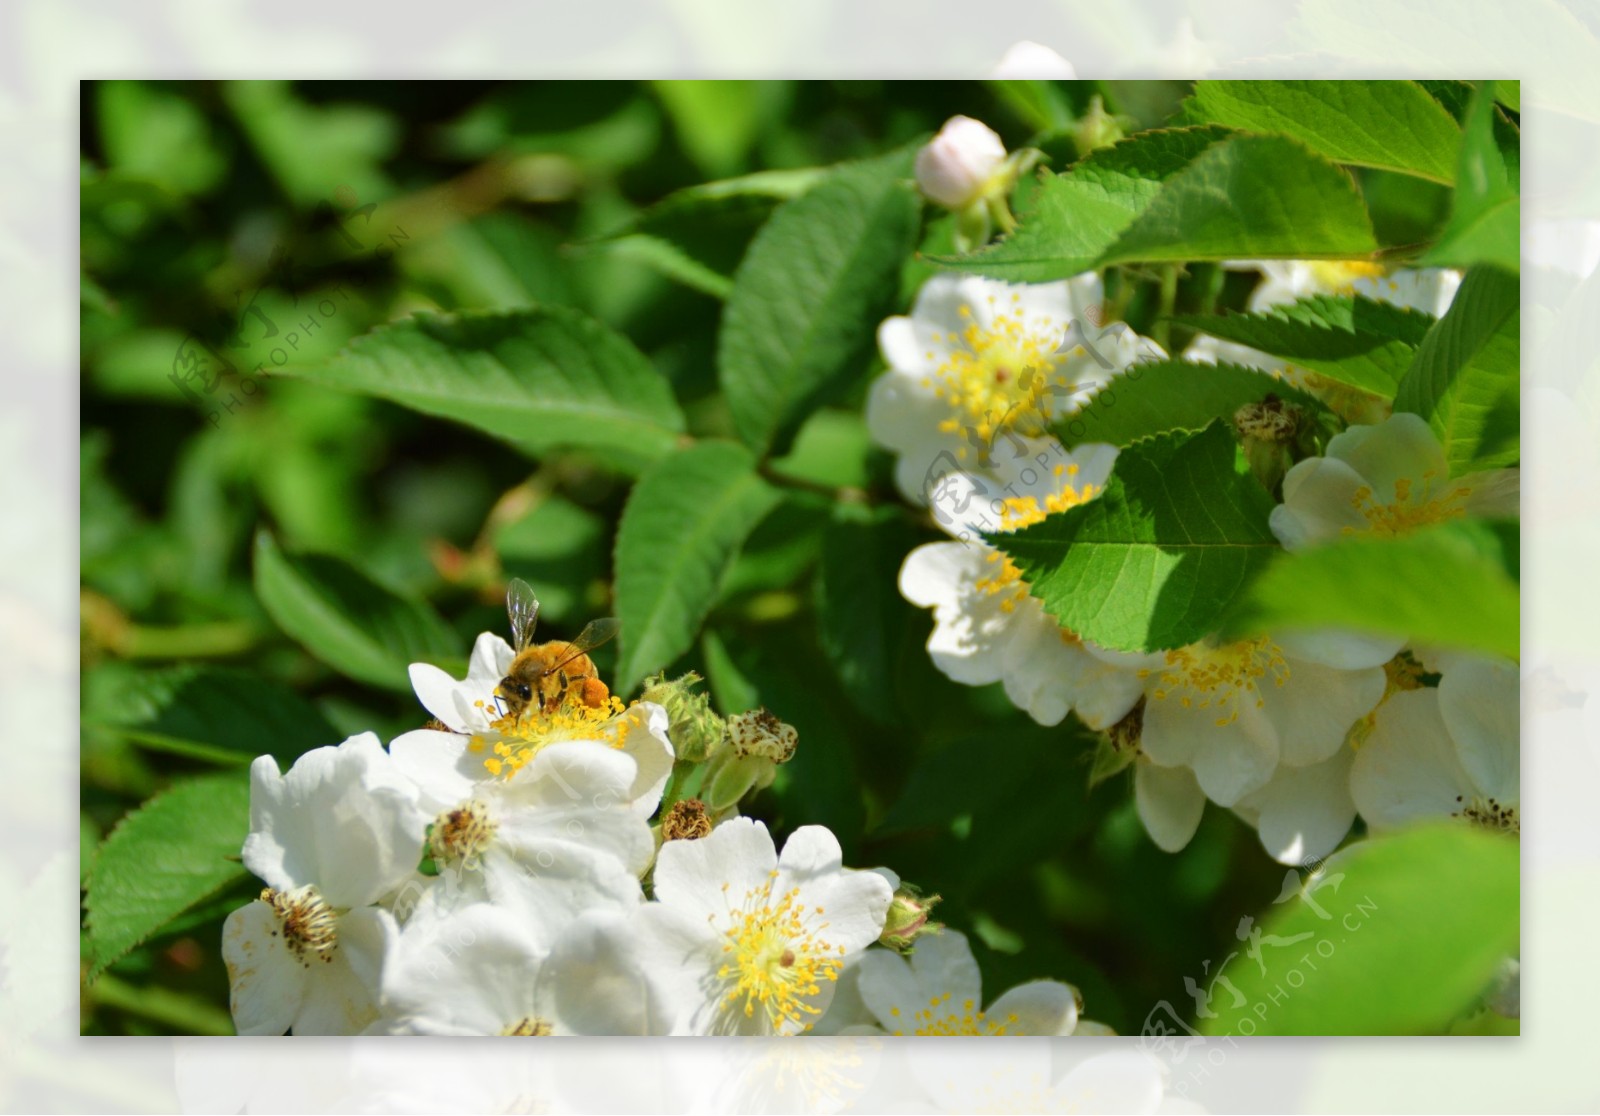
1096, 128
956, 167
908, 918
1269, 430
687, 820
693, 727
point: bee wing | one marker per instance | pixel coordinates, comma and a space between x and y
522, 606
593, 635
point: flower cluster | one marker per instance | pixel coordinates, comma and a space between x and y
498, 873
1295, 731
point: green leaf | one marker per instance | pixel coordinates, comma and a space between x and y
1467, 375
540, 379
1411, 929
360, 628
1149, 398
1251, 197
858, 622
165, 857
1183, 194
153, 133
1485, 219
719, 121
1153, 561
312, 150
1077, 215
559, 548
1390, 125
1356, 341
682, 525
1412, 586
817, 280
219, 714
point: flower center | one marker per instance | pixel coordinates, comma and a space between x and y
1214, 677
1003, 377
310, 928
528, 1025
775, 961
1403, 672
938, 1019
1489, 814
461, 836
518, 738
1414, 506
687, 820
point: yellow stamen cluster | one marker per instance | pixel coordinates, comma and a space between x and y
461, 836
1403, 672
310, 927
776, 957
1214, 677
1003, 377
1341, 276
938, 1019
1411, 508
517, 739
529, 1026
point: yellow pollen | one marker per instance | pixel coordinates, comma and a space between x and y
1017, 512
1340, 276
1413, 506
1006, 375
529, 1026
519, 738
776, 959
937, 1019
461, 836
1214, 678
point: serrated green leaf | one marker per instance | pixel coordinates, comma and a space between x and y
1403, 932
1154, 561
1390, 125
164, 858
1251, 197
1077, 215
1486, 212
541, 378
360, 628
815, 283
1356, 341
1467, 375
220, 714
682, 525
1150, 398
1411, 586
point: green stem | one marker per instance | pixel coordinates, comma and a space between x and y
187, 641
186, 1015
1169, 301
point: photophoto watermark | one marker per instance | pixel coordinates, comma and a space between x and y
202, 368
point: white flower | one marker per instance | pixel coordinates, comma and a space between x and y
988, 628
558, 832
449, 766
1302, 813
1027, 60
331, 837
1453, 751
1386, 479
938, 991
1232, 712
979, 372
955, 168
553, 969
743, 941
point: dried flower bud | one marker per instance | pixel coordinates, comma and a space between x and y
687, 820
759, 733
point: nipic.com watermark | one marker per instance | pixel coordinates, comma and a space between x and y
201, 368
1290, 962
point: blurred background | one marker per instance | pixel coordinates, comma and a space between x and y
217, 218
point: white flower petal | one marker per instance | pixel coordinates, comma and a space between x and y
341, 995
1315, 707
1039, 1007
472, 973
1480, 701
1170, 803
1402, 447
943, 965
444, 766
592, 982
1304, 812
890, 990
1407, 767
267, 984
968, 643
1319, 503
1231, 754
698, 876
1335, 648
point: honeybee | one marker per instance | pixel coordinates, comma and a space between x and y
549, 670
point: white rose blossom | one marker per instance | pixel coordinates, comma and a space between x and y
1450, 751
743, 941
330, 838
